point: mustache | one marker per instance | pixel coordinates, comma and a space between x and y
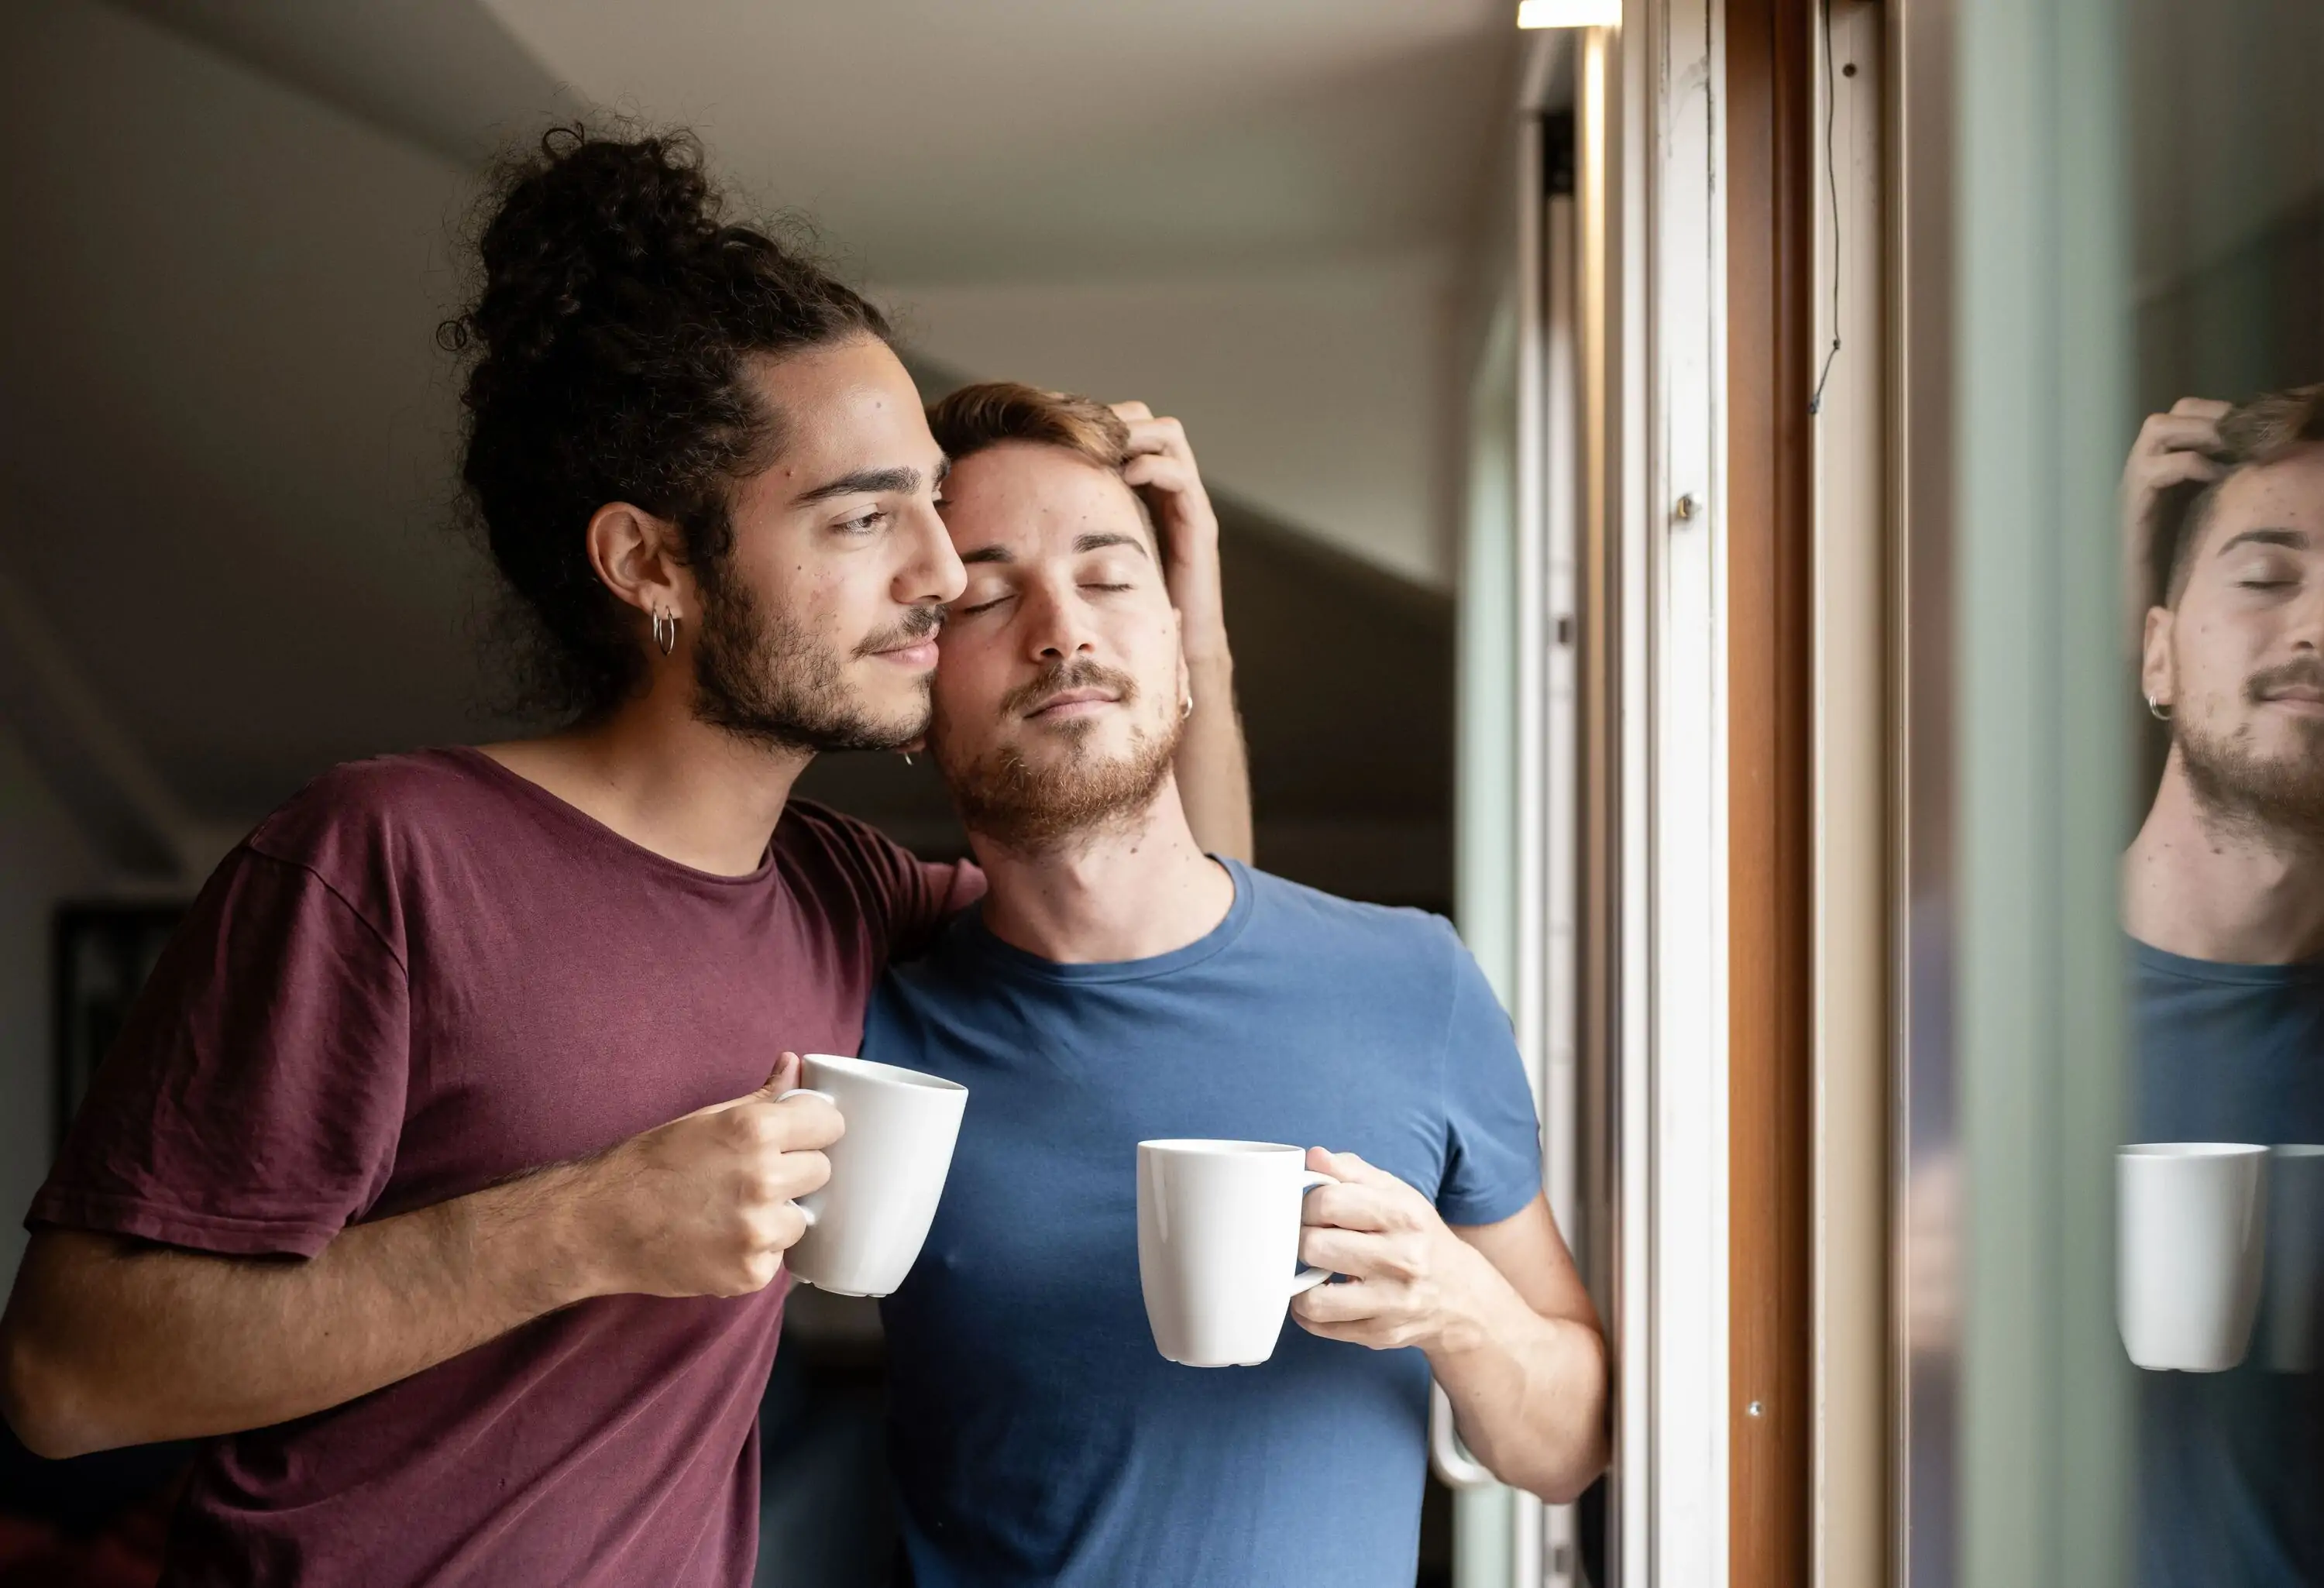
2303, 670
1061, 676
916, 625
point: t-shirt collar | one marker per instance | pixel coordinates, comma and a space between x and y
2163, 962
971, 937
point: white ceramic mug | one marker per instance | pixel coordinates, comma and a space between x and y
865, 1227
1218, 1246
2190, 1229
2294, 1294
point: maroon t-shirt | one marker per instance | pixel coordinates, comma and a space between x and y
421, 975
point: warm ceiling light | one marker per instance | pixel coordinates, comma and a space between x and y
1569, 14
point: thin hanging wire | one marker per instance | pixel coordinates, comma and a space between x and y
1832, 178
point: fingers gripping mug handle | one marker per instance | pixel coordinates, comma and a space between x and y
1308, 1278
806, 1212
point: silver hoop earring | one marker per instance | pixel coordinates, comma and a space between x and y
1186, 706
665, 629
2161, 714
907, 758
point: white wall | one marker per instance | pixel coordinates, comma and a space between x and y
1322, 394
43, 858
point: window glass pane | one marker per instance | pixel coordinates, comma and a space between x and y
2138, 937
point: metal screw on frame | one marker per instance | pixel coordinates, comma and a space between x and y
1686, 507
1753, 1411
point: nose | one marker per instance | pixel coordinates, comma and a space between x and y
1056, 624
2306, 626
931, 573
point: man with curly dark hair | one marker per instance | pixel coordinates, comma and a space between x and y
443, 1176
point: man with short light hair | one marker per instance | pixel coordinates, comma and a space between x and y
2223, 893
1118, 984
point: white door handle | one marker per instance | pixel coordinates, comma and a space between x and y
1455, 1467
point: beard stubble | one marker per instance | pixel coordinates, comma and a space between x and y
1068, 799
763, 678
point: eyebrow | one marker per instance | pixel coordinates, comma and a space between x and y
869, 481
1100, 541
2292, 539
1093, 541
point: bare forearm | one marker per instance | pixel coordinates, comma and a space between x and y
110, 1342
1528, 1393
1212, 765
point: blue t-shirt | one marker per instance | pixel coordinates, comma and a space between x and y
1038, 1434
2231, 1466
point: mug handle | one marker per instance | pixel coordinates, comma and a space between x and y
1307, 1279
806, 1212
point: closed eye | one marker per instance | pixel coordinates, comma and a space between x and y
1108, 586
958, 611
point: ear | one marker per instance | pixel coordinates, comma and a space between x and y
2158, 679
640, 557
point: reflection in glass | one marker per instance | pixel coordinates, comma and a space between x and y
2223, 896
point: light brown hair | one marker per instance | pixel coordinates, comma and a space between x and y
988, 414
2251, 434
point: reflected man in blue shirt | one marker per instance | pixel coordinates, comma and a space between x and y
2223, 893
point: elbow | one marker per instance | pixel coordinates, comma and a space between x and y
1571, 1476
1574, 1478
41, 1403
1588, 1447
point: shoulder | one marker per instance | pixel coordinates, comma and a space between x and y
830, 854
354, 841
362, 814
855, 868
1398, 935
808, 829
1413, 958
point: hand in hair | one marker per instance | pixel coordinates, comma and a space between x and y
2172, 449
1213, 763
1161, 468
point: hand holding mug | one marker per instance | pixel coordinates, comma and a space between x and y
706, 1204
1406, 1276
866, 1230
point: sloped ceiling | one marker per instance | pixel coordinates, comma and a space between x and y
226, 474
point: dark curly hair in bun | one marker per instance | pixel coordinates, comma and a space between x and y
608, 347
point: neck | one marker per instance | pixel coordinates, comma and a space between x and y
666, 781
1127, 890
2227, 892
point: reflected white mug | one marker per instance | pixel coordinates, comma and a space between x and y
2295, 1258
867, 1224
1218, 1246
2190, 1231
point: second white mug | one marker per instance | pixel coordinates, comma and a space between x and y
1218, 1246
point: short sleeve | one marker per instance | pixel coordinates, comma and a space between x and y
1493, 1159
253, 1102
